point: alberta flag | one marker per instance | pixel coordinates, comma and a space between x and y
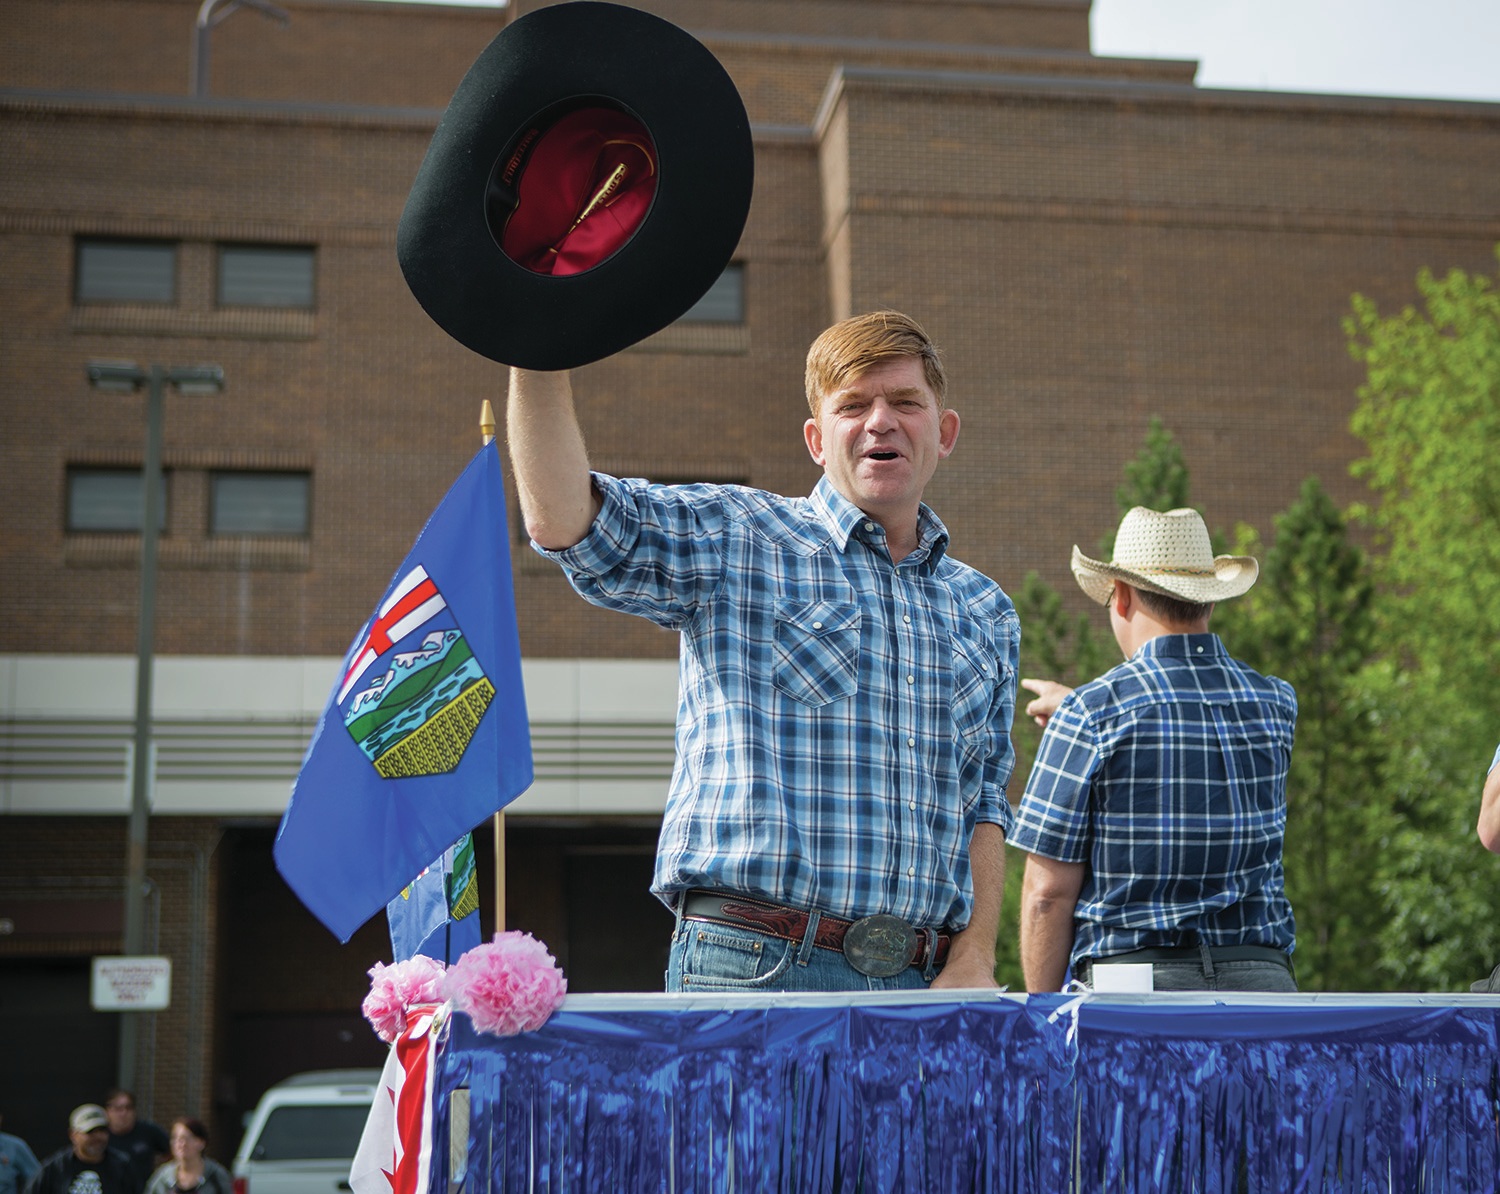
437, 913
425, 732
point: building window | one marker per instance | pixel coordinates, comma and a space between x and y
245, 503
265, 276
125, 271
725, 300
108, 499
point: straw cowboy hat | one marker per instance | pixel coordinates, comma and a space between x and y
1166, 553
587, 184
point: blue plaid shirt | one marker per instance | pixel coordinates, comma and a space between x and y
1167, 777
843, 722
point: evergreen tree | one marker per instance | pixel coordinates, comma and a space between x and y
1309, 620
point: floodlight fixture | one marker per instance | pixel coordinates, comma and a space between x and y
197, 379
116, 377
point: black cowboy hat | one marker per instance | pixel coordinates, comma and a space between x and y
586, 186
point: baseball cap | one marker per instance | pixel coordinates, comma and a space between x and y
87, 1117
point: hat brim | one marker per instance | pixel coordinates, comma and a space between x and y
546, 61
1232, 576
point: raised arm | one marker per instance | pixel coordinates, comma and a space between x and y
548, 457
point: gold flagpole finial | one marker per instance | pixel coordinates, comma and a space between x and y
487, 422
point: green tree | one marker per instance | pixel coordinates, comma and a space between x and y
1310, 620
1429, 415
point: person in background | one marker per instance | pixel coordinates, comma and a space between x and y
140, 1142
86, 1166
837, 815
1489, 837
1156, 807
1489, 808
190, 1169
17, 1163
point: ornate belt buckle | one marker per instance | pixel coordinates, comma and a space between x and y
881, 945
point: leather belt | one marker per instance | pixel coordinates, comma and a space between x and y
790, 924
1193, 953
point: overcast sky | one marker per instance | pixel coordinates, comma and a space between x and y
1437, 49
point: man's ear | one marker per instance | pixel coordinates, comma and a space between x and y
948, 424
1123, 598
813, 434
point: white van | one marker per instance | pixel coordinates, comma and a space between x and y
303, 1134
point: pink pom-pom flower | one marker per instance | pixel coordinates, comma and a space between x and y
508, 985
396, 989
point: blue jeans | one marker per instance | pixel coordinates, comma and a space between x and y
713, 957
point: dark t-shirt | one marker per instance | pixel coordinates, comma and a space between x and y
139, 1148
64, 1173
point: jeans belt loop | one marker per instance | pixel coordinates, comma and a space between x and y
1208, 959
809, 941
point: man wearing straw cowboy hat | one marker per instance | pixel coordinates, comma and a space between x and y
1153, 817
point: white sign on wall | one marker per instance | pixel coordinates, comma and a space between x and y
133, 984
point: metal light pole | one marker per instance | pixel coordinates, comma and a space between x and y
207, 19
126, 377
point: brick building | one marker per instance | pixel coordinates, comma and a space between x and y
1092, 241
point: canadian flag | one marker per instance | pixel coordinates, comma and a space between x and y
395, 1151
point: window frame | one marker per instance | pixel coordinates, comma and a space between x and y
82, 243
214, 531
736, 271
223, 248
74, 471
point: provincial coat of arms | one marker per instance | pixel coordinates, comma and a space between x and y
429, 693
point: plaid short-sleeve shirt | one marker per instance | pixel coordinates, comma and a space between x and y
843, 720
1167, 777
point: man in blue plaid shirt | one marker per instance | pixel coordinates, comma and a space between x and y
837, 812
1155, 811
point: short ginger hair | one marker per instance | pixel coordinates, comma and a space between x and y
854, 346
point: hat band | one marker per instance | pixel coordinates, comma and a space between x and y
1157, 570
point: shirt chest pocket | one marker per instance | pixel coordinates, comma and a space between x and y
978, 685
815, 650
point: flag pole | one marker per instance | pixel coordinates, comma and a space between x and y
487, 434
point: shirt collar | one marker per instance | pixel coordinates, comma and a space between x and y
845, 521
1182, 646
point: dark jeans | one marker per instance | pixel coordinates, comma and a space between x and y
1225, 976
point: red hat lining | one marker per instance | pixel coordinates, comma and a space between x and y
583, 187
